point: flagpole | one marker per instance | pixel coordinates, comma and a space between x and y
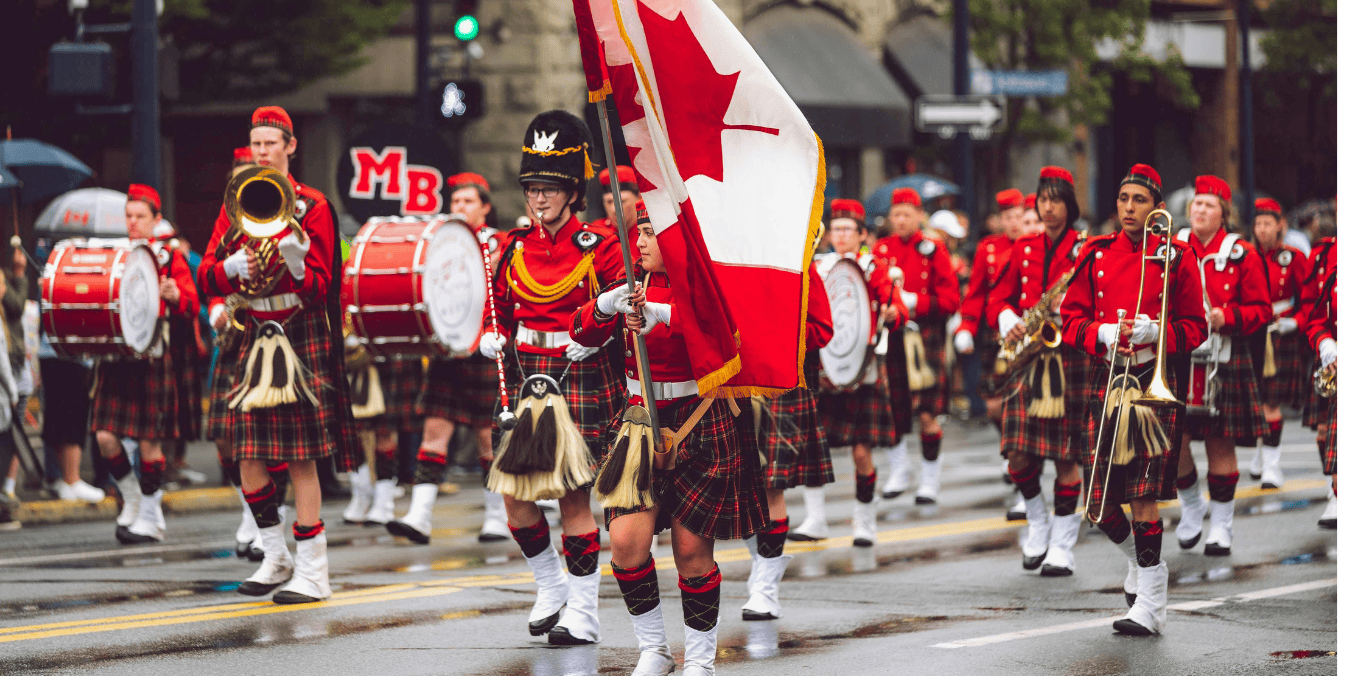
640, 347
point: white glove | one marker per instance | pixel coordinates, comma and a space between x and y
1286, 325
491, 345
1329, 352
293, 252
963, 342
909, 300
237, 265
576, 352
615, 301
216, 312
655, 313
1144, 331
1006, 321
1108, 334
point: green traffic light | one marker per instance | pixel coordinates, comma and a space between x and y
467, 28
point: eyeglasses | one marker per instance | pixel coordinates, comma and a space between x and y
549, 192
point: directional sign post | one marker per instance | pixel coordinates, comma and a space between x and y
948, 115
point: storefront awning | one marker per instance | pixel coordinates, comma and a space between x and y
920, 53
847, 97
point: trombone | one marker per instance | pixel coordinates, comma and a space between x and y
1157, 394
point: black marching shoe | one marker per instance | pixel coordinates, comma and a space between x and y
560, 636
251, 588
1033, 562
1126, 626
544, 624
1131, 599
1050, 570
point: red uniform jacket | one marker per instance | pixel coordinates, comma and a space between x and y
549, 260
667, 358
992, 253
1109, 281
1036, 263
1240, 289
927, 272
1319, 305
818, 328
1287, 267
312, 210
178, 270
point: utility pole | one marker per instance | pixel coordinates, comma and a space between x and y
423, 25
145, 42
962, 80
1246, 118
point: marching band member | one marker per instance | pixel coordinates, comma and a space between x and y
455, 392
1319, 296
862, 418
714, 490
1287, 267
629, 200
797, 454
139, 398
1110, 283
992, 253
1032, 224
317, 421
551, 268
1037, 426
930, 295
373, 488
1236, 286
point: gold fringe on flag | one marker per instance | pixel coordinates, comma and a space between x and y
919, 374
1048, 383
1140, 433
273, 374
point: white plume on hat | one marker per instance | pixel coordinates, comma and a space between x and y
945, 221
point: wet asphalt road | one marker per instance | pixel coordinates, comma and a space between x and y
943, 593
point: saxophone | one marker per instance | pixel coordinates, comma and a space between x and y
1042, 334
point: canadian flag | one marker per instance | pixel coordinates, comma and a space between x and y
732, 176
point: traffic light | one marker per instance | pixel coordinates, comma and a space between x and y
466, 27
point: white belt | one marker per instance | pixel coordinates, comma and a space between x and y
278, 303
665, 391
545, 340
1282, 306
1137, 358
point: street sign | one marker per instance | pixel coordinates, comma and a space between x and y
1019, 82
947, 115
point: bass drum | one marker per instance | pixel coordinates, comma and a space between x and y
416, 287
846, 358
101, 298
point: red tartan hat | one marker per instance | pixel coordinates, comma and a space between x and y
1212, 185
628, 181
243, 155
1009, 199
1144, 175
1056, 172
907, 196
144, 193
272, 116
1031, 201
1268, 205
842, 208
465, 179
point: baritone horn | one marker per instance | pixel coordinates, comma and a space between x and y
261, 205
1157, 394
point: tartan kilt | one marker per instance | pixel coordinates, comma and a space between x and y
935, 400
594, 390
899, 389
988, 349
860, 416
794, 442
189, 384
464, 391
1329, 456
1319, 412
1291, 354
137, 398
1237, 399
1051, 438
300, 430
222, 381
716, 488
1142, 477
401, 383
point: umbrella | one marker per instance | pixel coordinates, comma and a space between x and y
8, 181
89, 212
43, 170
930, 187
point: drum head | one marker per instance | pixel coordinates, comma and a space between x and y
845, 357
454, 288
139, 299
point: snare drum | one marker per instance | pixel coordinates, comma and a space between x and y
416, 286
1200, 398
101, 298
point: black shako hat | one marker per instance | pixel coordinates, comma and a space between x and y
555, 150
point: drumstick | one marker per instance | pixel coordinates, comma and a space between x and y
506, 419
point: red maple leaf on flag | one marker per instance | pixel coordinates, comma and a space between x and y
695, 96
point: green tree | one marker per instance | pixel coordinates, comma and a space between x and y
1064, 34
1300, 44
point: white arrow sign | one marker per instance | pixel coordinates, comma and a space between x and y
964, 113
